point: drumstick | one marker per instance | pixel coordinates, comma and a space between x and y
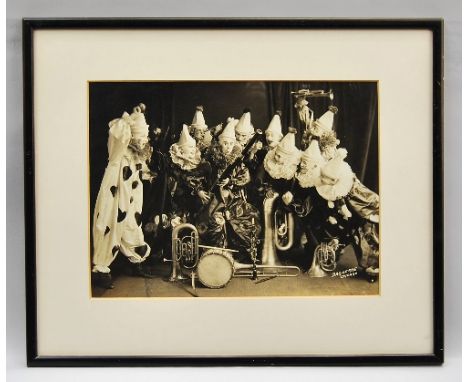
187, 290
266, 279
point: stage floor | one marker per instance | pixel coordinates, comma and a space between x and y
302, 285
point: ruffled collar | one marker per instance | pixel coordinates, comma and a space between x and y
276, 171
221, 160
140, 152
309, 179
182, 161
205, 142
341, 188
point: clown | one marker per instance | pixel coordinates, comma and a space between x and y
199, 130
352, 211
280, 164
310, 166
226, 149
117, 214
322, 130
276, 173
273, 133
189, 178
273, 136
244, 129
304, 113
229, 220
244, 132
304, 200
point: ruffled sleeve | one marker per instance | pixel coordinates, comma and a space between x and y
363, 201
119, 138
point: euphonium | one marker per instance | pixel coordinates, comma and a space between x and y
185, 250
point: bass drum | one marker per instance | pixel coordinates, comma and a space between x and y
215, 268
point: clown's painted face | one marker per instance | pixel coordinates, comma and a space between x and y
306, 165
242, 138
140, 142
280, 158
328, 180
226, 145
329, 152
188, 152
272, 139
198, 134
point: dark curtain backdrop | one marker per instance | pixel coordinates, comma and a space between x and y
170, 104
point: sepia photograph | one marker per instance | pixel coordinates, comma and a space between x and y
233, 188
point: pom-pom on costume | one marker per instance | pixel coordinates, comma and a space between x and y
117, 226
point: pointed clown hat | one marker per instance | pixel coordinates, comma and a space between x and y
310, 170
288, 144
229, 131
139, 127
198, 121
325, 122
244, 126
275, 125
337, 177
185, 139
313, 154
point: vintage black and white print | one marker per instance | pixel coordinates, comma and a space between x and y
234, 189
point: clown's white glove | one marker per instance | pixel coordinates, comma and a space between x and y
287, 198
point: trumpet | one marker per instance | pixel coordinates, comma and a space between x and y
305, 93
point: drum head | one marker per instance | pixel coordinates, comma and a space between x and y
215, 269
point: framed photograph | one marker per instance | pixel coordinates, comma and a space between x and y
233, 192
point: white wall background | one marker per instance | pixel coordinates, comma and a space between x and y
450, 10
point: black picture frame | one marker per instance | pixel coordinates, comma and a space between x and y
433, 25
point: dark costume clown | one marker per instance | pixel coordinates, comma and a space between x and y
229, 220
188, 180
